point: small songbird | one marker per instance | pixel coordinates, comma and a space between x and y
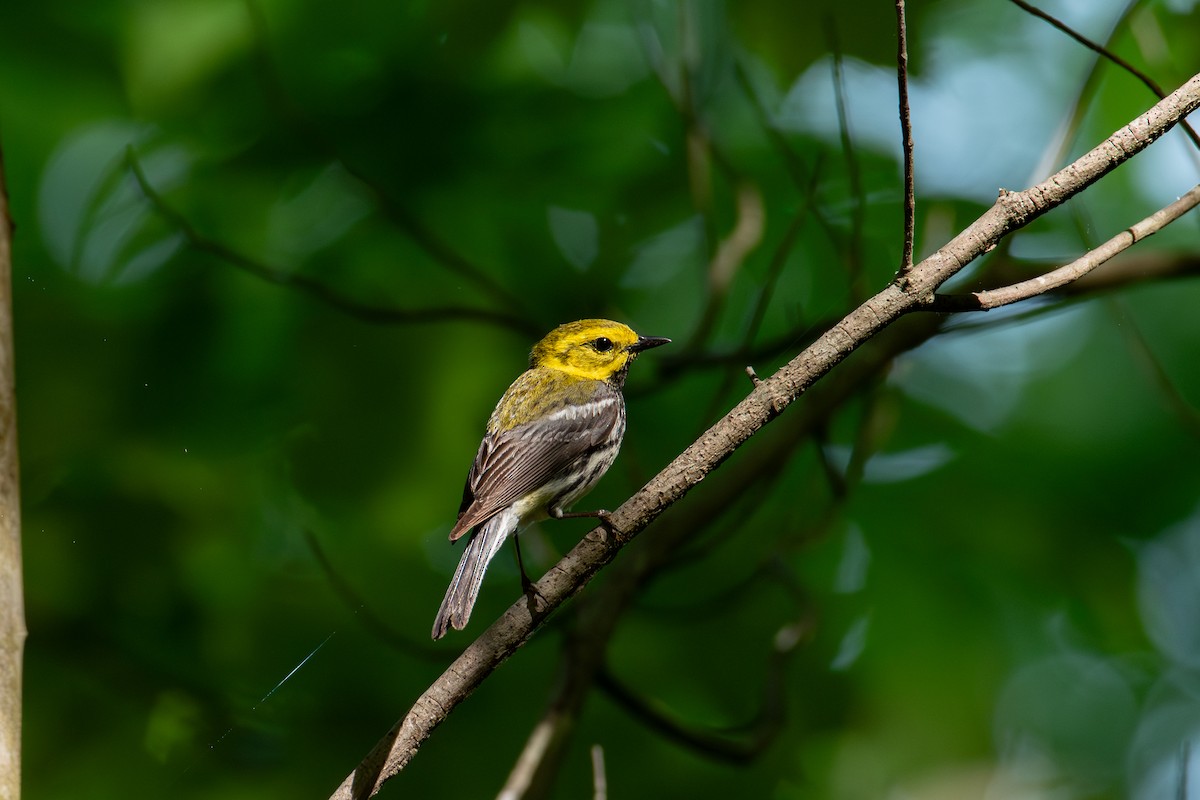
553, 434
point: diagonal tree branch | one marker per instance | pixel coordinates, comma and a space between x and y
1068, 273
1105, 53
767, 401
753, 740
597, 615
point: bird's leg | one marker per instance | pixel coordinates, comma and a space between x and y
527, 585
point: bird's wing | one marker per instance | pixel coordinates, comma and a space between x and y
513, 463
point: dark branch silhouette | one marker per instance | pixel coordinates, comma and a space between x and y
436, 247
906, 139
854, 249
308, 285
1104, 52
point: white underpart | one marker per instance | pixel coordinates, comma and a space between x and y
592, 408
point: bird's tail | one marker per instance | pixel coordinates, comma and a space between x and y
483, 545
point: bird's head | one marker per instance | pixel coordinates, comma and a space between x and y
595, 349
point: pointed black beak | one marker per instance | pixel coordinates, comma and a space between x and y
646, 342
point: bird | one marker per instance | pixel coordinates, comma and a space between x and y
551, 437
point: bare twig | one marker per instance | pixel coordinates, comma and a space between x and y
805, 180
765, 292
358, 606
741, 241
1185, 759
731, 254
680, 88
549, 735
1076, 109
758, 735
599, 547
906, 258
1187, 414
795, 166
1116, 274
779, 258
12, 593
599, 778
853, 171
437, 248
310, 286
1104, 52
1123, 271
1127, 269
702, 155
994, 298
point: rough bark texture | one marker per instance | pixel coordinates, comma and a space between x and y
12, 605
913, 291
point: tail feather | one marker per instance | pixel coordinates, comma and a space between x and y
481, 548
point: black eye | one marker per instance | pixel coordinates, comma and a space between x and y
603, 344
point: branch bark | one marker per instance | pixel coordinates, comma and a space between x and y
906, 140
1069, 273
12, 603
598, 614
912, 292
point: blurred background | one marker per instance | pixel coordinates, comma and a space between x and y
275, 261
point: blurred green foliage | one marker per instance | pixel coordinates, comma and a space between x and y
249, 391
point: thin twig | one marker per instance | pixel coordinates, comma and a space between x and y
359, 608
853, 171
779, 258
1078, 105
1114, 275
1185, 412
730, 256
437, 248
804, 179
906, 258
795, 166
699, 160
1005, 295
761, 732
308, 285
1117, 274
599, 778
702, 155
549, 734
1104, 52
1185, 760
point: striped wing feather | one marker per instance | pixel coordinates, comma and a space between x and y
513, 463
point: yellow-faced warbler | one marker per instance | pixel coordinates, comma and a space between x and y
553, 434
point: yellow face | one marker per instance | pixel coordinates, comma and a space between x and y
595, 349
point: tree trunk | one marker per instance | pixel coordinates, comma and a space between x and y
12, 605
